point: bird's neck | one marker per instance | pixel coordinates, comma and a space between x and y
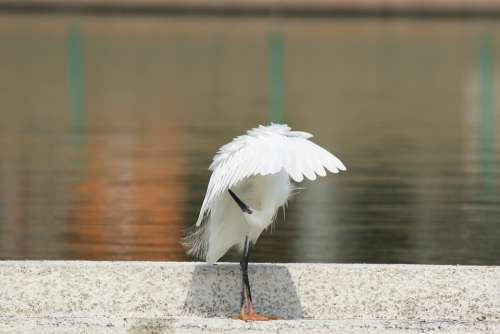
261, 218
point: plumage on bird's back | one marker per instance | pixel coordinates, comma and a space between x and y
272, 193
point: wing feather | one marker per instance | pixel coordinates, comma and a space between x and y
266, 150
308, 160
294, 167
319, 169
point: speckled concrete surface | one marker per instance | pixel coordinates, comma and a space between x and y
153, 297
220, 325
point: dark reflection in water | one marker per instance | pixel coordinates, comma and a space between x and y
107, 127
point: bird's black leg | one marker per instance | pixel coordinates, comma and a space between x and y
246, 296
244, 273
246, 256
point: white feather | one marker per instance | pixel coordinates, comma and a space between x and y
257, 167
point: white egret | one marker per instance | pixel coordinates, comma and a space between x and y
250, 181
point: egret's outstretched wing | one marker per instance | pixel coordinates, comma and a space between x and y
266, 150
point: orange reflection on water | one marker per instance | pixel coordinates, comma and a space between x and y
130, 204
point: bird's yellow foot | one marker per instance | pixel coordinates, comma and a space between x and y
254, 317
251, 316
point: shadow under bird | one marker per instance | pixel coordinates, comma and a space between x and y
251, 180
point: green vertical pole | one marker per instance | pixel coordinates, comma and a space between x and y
75, 80
76, 111
76, 98
276, 91
486, 114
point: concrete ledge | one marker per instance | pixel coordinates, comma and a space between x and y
217, 325
154, 297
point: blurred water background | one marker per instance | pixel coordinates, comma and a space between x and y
108, 125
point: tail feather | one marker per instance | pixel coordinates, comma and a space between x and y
196, 241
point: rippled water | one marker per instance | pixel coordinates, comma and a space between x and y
108, 124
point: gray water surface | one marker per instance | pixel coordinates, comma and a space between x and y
108, 125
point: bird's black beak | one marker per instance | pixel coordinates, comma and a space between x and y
240, 203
